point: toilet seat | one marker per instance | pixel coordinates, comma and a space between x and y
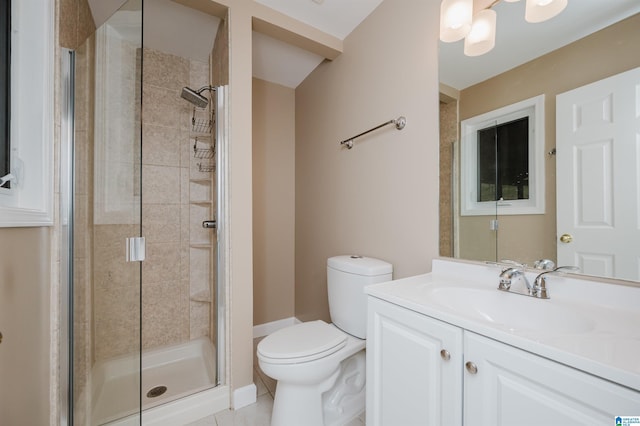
303, 342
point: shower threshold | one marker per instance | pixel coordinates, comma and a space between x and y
168, 373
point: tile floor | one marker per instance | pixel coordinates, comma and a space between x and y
258, 414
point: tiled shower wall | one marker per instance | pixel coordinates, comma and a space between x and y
176, 197
116, 193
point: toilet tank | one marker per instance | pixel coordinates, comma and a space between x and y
347, 276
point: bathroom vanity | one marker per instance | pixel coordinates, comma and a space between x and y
449, 348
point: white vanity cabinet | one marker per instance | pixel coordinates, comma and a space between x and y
414, 374
410, 383
504, 386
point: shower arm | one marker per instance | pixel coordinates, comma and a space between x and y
203, 88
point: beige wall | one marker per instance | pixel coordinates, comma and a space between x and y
240, 194
24, 324
379, 199
602, 54
219, 59
273, 201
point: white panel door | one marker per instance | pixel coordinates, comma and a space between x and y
414, 368
598, 158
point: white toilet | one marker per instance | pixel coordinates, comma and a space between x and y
320, 367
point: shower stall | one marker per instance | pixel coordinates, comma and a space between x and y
143, 196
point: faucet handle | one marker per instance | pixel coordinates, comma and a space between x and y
558, 270
509, 274
540, 285
546, 264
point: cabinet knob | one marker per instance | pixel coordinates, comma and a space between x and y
471, 367
445, 355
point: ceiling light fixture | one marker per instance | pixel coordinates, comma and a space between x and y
457, 21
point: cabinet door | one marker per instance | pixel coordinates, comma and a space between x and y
515, 387
409, 381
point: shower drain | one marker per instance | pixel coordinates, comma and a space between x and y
156, 391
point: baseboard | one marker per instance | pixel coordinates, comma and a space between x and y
244, 396
261, 330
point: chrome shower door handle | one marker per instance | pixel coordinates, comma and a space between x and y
210, 224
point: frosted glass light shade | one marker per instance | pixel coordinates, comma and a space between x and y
455, 19
541, 10
482, 37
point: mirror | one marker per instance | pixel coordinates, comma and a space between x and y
587, 42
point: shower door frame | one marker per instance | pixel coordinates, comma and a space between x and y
68, 222
67, 79
222, 395
222, 214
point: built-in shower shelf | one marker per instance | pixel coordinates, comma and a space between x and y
205, 203
201, 181
201, 296
200, 245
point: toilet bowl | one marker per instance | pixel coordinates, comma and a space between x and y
304, 373
320, 367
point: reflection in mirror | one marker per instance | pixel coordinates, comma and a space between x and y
608, 51
503, 166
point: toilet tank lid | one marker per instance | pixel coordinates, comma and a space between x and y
360, 265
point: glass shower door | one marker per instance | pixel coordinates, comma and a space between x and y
106, 308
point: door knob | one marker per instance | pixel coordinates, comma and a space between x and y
566, 238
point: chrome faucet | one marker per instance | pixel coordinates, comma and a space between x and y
539, 289
509, 275
546, 264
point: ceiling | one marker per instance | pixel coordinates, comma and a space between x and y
176, 29
518, 42
284, 64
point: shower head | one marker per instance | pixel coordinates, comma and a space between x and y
195, 97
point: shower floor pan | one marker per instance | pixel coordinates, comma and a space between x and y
168, 373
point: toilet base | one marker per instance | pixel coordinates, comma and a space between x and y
334, 402
346, 399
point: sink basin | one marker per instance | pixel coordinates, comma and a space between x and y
512, 311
